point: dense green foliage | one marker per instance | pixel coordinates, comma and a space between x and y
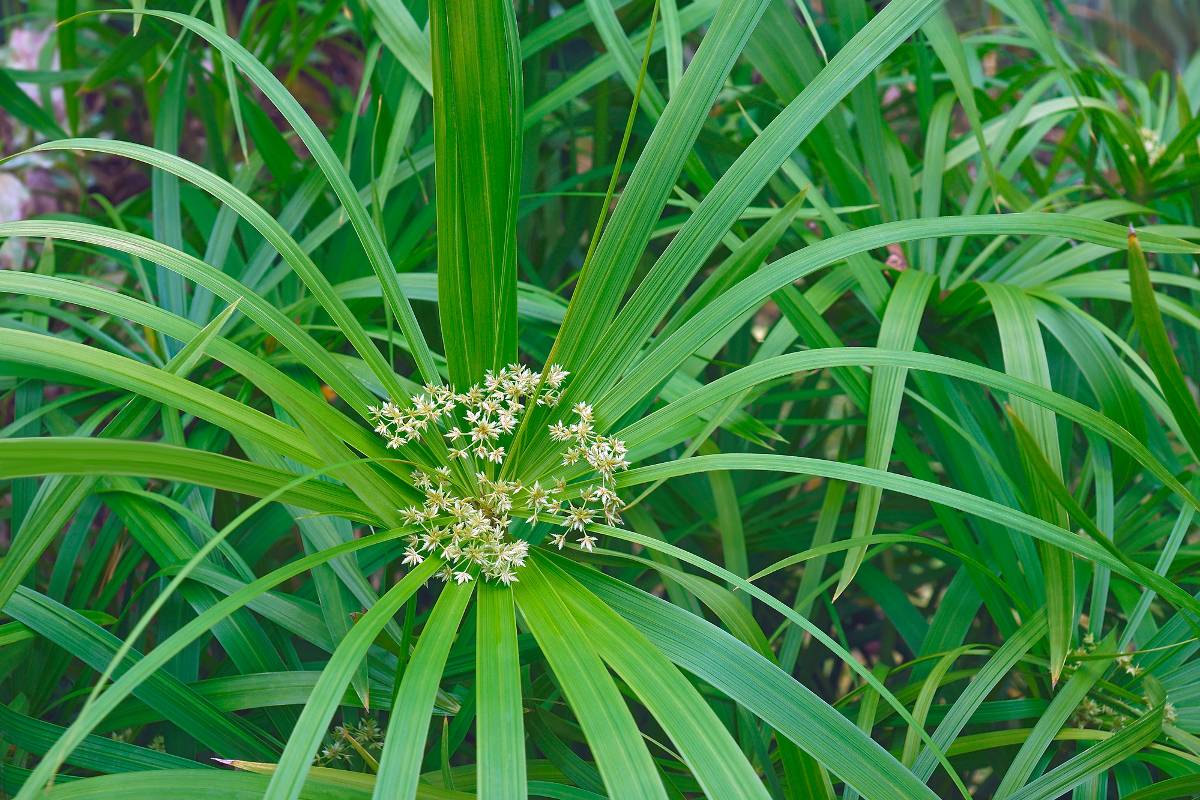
894, 306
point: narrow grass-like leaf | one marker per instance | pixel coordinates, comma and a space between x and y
289, 778
20, 347
788, 613
1061, 707
707, 748
747, 377
16, 102
331, 166
983, 683
954, 498
1052, 484
65, 455
1169, 789
728, 198
144, 671
184, 784
405, 39
95, 646
602, 285
253, 305
754, 682
59, 498
752, 291
500, 732
266, 224
167, 214
288, 393
1095, 759
477, 101
1025, 357
905, 308
95, 753
1159, 351
612, 735
408, 725
1183, 523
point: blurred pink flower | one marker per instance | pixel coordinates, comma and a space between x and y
24, 51
15, 203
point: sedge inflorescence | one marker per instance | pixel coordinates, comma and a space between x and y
467, 510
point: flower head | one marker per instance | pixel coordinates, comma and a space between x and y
466, 513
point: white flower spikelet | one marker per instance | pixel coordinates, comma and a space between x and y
466, 522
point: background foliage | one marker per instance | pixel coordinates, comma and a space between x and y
894, 304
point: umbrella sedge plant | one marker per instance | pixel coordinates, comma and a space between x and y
767, 446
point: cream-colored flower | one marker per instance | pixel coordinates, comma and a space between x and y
478, 423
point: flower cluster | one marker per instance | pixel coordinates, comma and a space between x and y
466, 512
488, 412
1092, 714
1151, 143
1125, 662
349, 744
1118, 714
466, 531
606, 455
